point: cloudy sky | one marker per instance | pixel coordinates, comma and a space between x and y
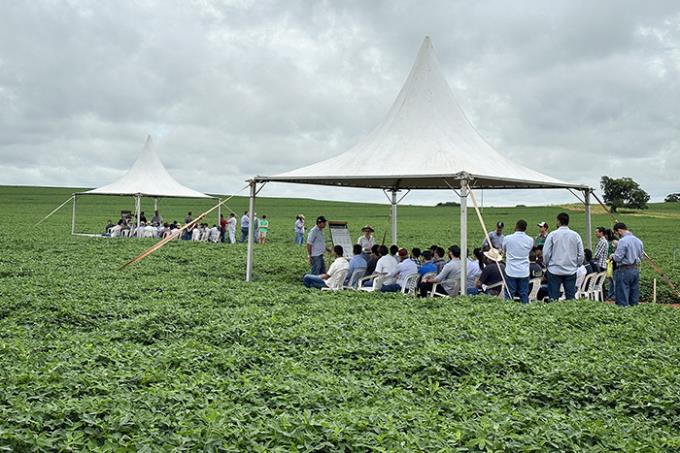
231, 89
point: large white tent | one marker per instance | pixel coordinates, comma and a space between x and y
147, 177
425, 142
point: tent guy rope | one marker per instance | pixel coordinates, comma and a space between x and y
164, 241
58, 208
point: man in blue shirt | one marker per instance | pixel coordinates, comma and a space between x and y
517, 247
356, 264
627, 257
562, 255
316, 247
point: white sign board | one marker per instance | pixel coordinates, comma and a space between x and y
340, 236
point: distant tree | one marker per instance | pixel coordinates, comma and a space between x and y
623, 193
673, 198
447, 203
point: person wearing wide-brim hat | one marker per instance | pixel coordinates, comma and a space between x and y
300, 229
492, 273
366, 240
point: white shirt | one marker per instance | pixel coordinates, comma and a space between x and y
473, 272
214, 234
450, 273
403, 270
386, 265
338, 265
517, 247
231, 223
563, 251
581, 273
196, 234
365, 244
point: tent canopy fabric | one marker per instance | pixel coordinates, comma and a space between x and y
147, 177
425, 142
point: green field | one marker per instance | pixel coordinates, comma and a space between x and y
177, 352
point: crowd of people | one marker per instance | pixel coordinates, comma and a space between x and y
556, 260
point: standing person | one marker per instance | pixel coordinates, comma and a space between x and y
263, 229
628, 256
542, 234
516, 248
256, 228
316, 246
157, 219
601, 249
186, 235
231, 228
496, 237
223, 228
245, 226
330, 279
562, 254
366, 239
299, 229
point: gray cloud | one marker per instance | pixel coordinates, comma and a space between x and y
233, 89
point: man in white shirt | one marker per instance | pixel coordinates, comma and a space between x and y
405, 268
334, 277
214, 235
386, 264
245, 226
231, 228
516, 248
562, 254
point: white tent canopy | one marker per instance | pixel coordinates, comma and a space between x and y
146, 178
425, 142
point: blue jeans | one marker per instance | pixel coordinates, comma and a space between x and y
391, 288
519, 286
569, 283
313, 281
611, 288
627, 286
472, 291
299, 238
318, 265
244, 234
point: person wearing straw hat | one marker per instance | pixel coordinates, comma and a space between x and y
628, 256
300, 229
366, 240
492, 274
562, 255
516, 248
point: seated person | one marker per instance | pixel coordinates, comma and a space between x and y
214, 234
591, 266
448, 276
385, 265
394, 249
196, 233
117, 230
535, 269
330, 278
356, 264
439, 254
493, 273
107, 228
415, 256
474, 267
405, 268
427, 267
372, 259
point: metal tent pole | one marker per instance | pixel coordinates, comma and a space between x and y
251, 217
155, 205
589, 234
138, 206
73, 215
463, 236
394, 216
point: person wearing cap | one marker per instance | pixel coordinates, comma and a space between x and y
316, 246
405, 268
628, 256
448, 278
516, 248
562, 255
329, 279
299, 229
542, 234
366, 240
496, 237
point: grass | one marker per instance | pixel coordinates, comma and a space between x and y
178, 353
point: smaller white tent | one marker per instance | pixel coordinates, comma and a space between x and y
147, 177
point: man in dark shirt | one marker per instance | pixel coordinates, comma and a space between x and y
491, 275
372, 260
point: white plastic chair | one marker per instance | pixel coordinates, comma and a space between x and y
596, 291
583, 291
456, 288
410, 285
337, 286
535, 285
500, 286
378, 280
357, 274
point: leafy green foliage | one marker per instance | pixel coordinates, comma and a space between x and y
673, 198
177, 353
623, 192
